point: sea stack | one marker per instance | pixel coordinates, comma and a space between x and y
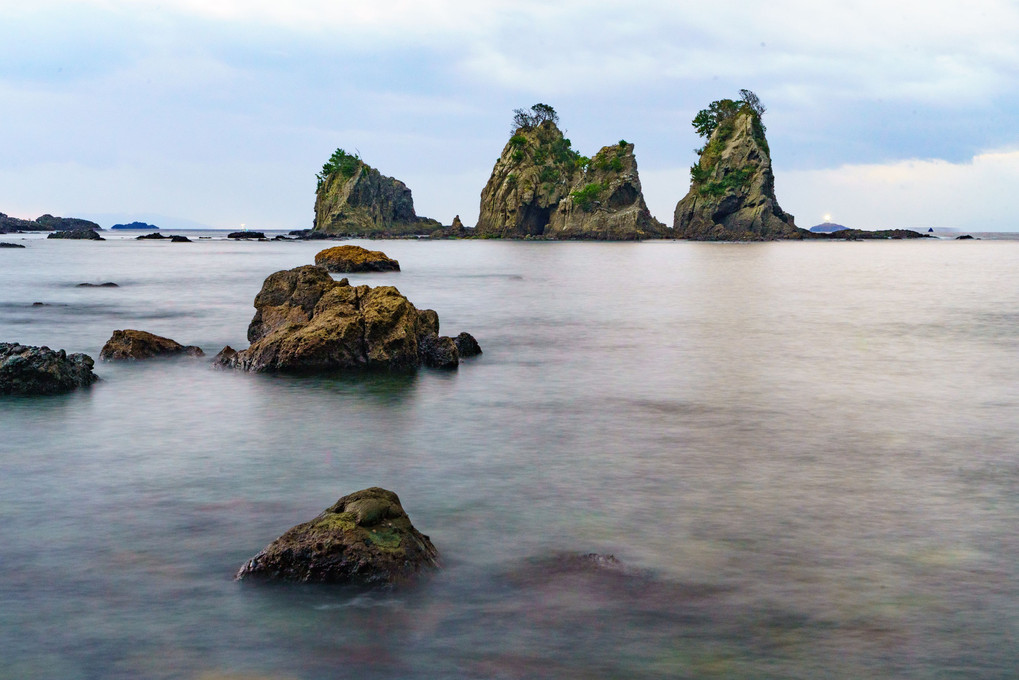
541, 187
732, 187
355, 199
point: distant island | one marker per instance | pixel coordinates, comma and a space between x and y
827, 228
136, 225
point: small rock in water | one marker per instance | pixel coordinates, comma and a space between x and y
466, 345
132, 344
365, 538
4, 244
355, 259
41, 370
176, 238
108, 284
38, 304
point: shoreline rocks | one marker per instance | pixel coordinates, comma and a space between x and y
365, 538
29, 370
305, 321
79, 234
247, 235
132, 345
349, 259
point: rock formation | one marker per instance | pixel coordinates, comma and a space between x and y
305, 321
242, 235
41, 370
732, 188
136, 225
44, 223
132, 344
355, 199
355, 259
541, 187
455, 230
4, 244
82, 234
606, 201
365, 538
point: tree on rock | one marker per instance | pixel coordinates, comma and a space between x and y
539, 114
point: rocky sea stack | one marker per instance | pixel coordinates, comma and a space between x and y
355, 199
732, 187
541, 187
41, 370
347, 259
365, 538
305, 321
132, 344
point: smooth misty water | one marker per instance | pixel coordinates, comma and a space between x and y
805, 453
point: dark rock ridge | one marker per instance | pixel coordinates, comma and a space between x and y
355, 259
154, 236
108, 284
246, 235
305, 321
4, 244
132, 344
41, 370
44, 223
136, 225
365, 538
732, 189
827, 228
863, 235
355, 199
606, 201
541, 187
177, 238
81, 234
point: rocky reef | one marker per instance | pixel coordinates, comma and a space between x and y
41, 370
355, 199
732, 187
79, 234
348, 259
365, 538
305, 321
541, 187
132, 344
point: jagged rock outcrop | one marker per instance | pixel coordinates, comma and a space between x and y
305, 321
455, 230
80, 234
365, 538
132, 344
41, 370
355, 199
732, 189
541, 187
606, 201
347, 259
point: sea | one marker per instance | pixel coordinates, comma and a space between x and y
803, 458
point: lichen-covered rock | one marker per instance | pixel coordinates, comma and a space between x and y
41, 370
83, 234
355, 259
132, 344
355, 199
305, 321
732, 190
365, 538
606, 201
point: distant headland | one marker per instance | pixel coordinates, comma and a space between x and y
136, 225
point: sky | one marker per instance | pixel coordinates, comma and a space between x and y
218, 113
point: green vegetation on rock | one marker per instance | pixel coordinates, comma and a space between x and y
342, 162
588, 195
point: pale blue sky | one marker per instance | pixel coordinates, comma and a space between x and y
220, 112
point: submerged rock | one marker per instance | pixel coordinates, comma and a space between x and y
365, 538
305, 321
4, 244
355, 199
241, 235
355, 259
732, 187
154, 236
132, 344
83, 234
41, 370
108, 284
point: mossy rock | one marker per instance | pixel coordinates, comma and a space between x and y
348, 259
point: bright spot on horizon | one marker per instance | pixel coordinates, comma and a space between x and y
827, 218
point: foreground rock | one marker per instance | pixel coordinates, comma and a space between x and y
83, 234
541, 187
732, 186
355, 259
355, 199
132, 344
365, 538
41, 370
305, 321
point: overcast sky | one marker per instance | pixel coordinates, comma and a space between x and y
220, 112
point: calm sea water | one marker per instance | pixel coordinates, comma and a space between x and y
805, 454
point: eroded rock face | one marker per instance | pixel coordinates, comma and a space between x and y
606, 201
305, 321
132, 344
365, 538
355, 259
367, 203
41, 370
732, 192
